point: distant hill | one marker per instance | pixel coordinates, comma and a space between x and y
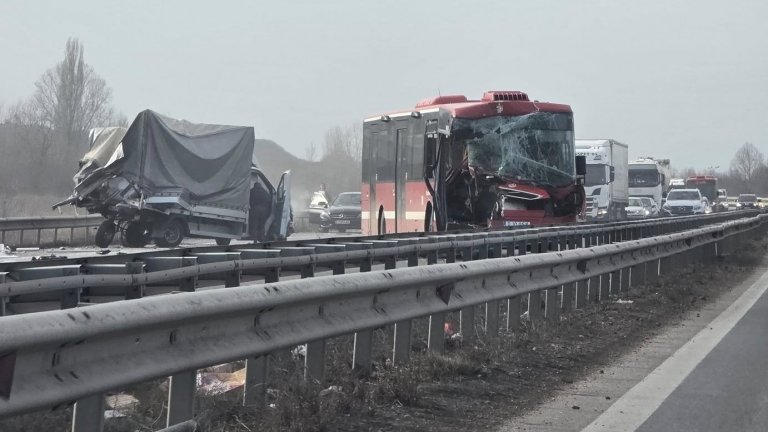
306, 176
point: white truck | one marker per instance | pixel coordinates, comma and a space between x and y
606, 183
649, 177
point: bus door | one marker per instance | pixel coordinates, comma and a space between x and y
368, 198
401, 177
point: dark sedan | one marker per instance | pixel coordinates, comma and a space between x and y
748, 201
343, 214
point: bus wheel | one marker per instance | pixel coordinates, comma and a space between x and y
428, 217
382, 221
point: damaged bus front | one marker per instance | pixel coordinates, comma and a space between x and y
497, 162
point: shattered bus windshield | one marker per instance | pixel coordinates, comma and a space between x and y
536, 147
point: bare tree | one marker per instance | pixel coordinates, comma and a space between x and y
30, 129
310, 153
71, 98
343, 143
341, 157
748, 163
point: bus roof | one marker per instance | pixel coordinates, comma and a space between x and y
493, 103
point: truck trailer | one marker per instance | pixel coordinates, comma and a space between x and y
607, 183
164, 179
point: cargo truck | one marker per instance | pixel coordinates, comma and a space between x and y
649, 177
607, 183
164, 179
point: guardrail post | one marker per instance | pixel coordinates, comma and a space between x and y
134, 291
637, 275
255, 386
271, 274
582, 293
450, 254
467, 323
492, 318
652, 271
436, 338
605, 287
181, 397
401, 351
624, 280
482, 251
667, 265
495, 249
88, 414
594, 288
361, 357
534, 306
615, 282
552, 304
314, 361
513, 313
432, 256
569, 292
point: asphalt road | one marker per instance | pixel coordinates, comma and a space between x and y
728, 390
709, 373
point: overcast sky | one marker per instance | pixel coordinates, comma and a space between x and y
687, 80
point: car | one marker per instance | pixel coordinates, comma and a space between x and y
748, 201
684, 202
317, 205
732, 204
641, 208
343, 214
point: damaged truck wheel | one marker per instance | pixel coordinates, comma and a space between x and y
172, 233
134, 235
105, 234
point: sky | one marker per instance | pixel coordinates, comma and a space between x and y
685, 80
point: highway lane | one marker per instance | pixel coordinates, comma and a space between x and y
706, 374
728, 390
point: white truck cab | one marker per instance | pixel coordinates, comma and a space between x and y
606, 181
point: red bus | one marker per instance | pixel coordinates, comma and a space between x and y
707, 185
454, 163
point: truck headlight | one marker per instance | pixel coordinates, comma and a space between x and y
602, 211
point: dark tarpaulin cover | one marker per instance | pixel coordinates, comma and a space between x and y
212, 162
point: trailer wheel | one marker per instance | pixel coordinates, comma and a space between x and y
134, 235
172, 233
105, 234
223, 241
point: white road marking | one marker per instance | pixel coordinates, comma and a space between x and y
631, 410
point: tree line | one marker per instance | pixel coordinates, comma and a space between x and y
43, 136
747, 173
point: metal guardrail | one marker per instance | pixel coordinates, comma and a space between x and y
53, 358
68, 282
41, 225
